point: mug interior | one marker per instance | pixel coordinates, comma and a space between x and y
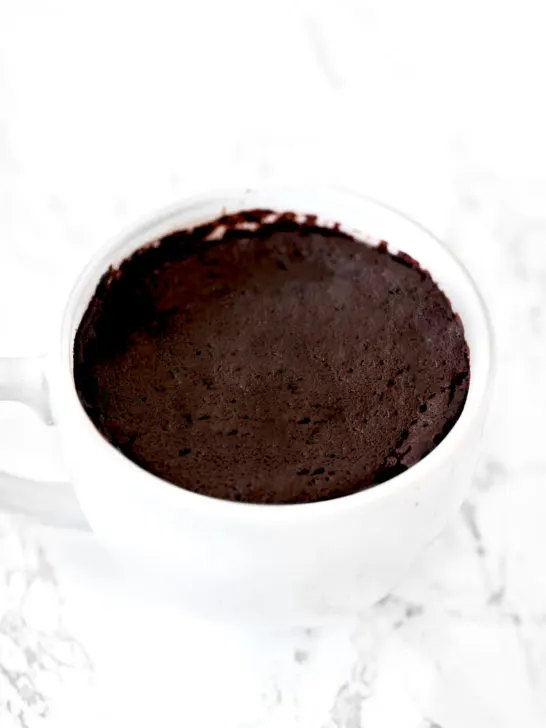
368, 221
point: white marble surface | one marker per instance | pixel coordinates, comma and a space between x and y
110, 109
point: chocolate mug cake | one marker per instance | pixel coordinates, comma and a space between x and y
269, 359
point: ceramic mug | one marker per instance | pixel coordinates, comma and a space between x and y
269, 564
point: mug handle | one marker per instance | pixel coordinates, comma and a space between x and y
39, 487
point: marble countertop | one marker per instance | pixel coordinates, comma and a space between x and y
109, 110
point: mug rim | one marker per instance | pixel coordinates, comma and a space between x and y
62, 362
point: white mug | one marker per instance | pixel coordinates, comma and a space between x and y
265, 564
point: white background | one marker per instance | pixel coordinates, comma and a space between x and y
110, 109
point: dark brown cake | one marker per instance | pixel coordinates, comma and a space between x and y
287, 364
